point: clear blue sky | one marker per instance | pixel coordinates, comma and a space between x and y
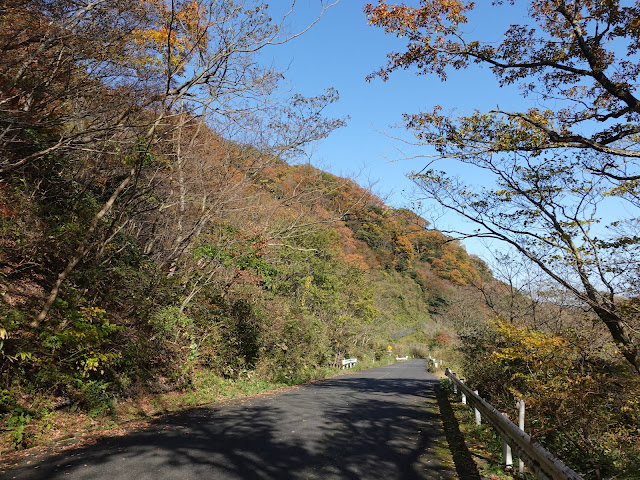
340, 51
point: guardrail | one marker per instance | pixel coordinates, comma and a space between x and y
349, 362
540, 461
402, 358
435, 362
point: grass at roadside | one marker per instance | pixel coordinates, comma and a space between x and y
476, 449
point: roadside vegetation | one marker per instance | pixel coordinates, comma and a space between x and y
160, 244
163, 245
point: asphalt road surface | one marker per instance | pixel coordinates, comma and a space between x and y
380, 423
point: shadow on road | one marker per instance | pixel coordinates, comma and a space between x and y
466, 466
392, 434
347, 428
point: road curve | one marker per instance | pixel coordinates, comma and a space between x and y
374, 424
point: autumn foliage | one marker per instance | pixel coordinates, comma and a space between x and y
581, 403
157, 234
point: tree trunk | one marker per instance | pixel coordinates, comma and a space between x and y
622, 337
81, 251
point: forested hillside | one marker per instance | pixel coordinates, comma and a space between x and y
155, 234
164, 242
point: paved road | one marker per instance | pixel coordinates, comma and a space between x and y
381, 423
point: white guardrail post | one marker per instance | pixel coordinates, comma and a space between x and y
476, 411
506, 450
540, 461
520, 405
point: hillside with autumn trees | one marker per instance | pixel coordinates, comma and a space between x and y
164, 243
298, 270
158, 236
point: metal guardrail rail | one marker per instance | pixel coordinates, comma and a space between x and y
537, 459
349, 362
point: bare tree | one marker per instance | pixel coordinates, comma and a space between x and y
550, 211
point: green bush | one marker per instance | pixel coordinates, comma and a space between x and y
16, 425
95, 397
7, 401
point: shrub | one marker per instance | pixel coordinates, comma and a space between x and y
95, 397
582, 404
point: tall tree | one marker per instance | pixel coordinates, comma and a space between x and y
556, 170
550, 211
580, 57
